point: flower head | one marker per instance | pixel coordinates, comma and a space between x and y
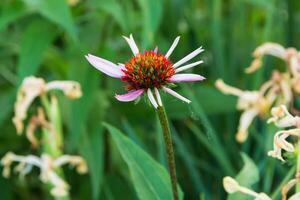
149, 71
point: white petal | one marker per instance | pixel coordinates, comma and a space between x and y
151, 98
175, 94
172, 47
186, 78
158, 97
185, 67
188, 57
105, 66
132, 44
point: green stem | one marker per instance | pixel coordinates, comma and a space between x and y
53, 143
298, 166
288, 176
169, 149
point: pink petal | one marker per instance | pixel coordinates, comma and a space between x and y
105, 66
186, 78
130, 96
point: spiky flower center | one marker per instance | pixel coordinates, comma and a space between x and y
147, 70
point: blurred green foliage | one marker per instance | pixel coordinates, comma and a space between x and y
49, 38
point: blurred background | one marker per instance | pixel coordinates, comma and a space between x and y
49, 38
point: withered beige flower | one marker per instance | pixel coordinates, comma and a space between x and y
31, 88
295, 196
280, 143
73, 2
285, 189
253, 103
267, 48
47, 165
283, 119
231, 186
290, 55
35, 122
258, 102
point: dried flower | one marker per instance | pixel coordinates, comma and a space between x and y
232, 186
48, 167
39, 121
73, 2
253, 103
285, 189
149, 71
281, 143
290, 55
295, 196
268, 48
283, 119
33, 87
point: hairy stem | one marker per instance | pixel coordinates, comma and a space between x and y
169, 149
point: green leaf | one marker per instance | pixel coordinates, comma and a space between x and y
209, 97
248, 176
150, 179
81, 108
10, 12
152, 13
116, 11
6, 104
219, 150
92, 150
57, 11
35, 40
